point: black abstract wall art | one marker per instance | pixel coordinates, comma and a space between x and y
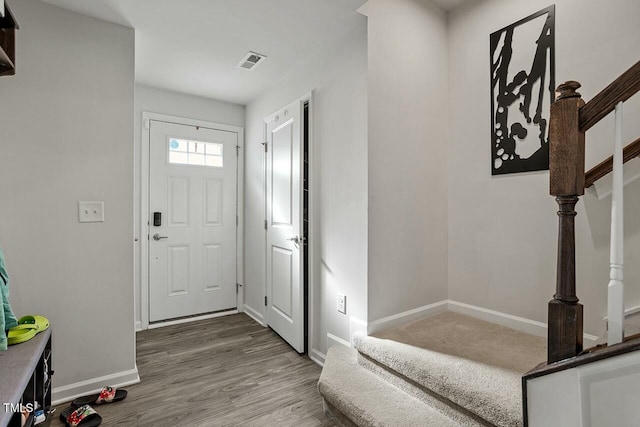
522, 88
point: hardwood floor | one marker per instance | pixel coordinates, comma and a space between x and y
227, 371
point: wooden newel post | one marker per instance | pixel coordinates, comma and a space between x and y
566, 174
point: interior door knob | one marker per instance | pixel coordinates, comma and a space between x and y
298, 240
157, 237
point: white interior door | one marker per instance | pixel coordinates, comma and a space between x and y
285, 243
192, 250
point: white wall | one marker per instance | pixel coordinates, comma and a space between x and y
156, 100
407, 263
602, 393
66, 127
338, 78
503, 230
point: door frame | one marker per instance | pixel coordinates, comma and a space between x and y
311, 245
147, 117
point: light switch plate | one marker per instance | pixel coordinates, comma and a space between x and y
91, 211
342, 303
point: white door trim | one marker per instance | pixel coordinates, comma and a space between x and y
144, 205
311, 247
313, 194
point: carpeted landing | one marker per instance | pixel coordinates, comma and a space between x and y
444, 370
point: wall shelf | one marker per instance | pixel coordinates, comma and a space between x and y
8, 27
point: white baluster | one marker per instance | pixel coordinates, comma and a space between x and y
616, 285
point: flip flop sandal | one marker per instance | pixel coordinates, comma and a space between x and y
21, 333
41, 322
83, 416
106, 395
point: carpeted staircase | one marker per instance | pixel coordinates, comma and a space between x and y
444, 370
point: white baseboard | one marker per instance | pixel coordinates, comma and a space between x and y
356, 326
254, 314
317, 356
514, 322
336, 340
192, 319
138, 326
69, 392
629, 312
406, 316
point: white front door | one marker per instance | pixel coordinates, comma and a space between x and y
192, 220
285, 243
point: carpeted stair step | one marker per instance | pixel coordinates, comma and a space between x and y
355, 396
471, 366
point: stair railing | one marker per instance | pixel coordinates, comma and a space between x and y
570, 119
615, 294
605, 167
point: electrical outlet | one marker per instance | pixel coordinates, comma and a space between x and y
91, 211
342, 303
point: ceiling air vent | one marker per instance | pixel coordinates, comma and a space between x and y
251, 60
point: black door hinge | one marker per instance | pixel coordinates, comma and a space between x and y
265, 300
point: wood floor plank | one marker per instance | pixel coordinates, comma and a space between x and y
227, 371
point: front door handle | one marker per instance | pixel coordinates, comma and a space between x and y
157, 237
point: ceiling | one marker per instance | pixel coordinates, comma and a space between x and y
449, 4
193, 46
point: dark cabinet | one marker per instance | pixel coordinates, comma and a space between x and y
25, 378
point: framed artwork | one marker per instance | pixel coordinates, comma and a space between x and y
522, 90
